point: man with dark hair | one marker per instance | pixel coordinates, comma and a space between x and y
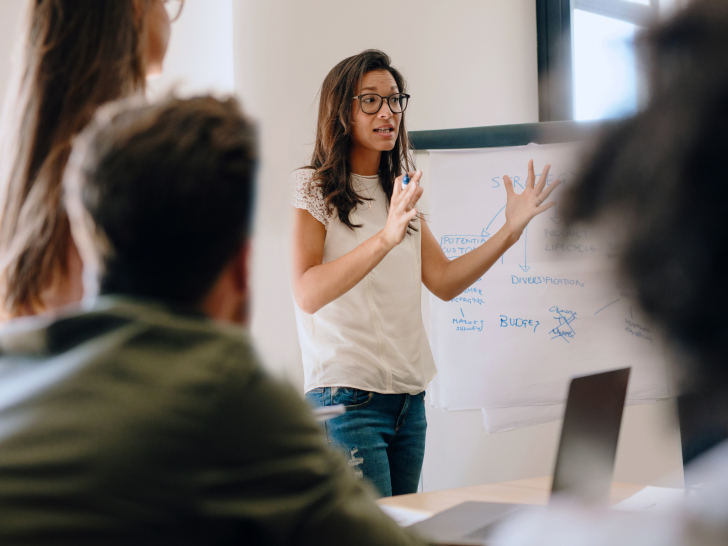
137, 419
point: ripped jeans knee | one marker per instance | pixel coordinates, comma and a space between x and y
355, 462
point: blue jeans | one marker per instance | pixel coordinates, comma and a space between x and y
381, 435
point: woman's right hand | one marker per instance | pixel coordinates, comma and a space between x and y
401, 209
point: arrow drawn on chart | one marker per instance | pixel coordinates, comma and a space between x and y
615, 301
525, 265
555, 219
494, 217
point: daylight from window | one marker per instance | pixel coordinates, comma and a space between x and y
605, 78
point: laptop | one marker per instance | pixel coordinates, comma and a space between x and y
584, 462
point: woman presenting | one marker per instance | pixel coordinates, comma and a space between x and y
361, 250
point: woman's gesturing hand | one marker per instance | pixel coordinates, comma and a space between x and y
522, 207
401, 209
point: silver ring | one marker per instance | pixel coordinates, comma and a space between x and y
539, 201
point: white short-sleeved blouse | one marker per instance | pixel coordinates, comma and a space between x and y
372, 337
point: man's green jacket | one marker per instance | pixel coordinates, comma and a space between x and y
130, 422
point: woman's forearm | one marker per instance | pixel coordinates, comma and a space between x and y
321, 284
462, 272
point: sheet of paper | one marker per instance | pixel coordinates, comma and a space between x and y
652, 499
550, 309
403, 516
324, 413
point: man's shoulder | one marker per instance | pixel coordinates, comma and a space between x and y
125, 366
124, 334
162, 333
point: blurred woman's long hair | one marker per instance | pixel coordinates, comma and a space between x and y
659, 179
331, 157
76, 56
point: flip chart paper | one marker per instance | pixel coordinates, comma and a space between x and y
550, 309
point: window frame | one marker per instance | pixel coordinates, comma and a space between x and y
554, 38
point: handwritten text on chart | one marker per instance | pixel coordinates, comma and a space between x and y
566, 233
515, 279
519, 182
464, 325
470, 295
564, 329
638, 330
472, 301
505, 322
457, 245
569, 247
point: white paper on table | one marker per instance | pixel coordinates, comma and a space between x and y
404, 517
652, 499
549, 310
504, 419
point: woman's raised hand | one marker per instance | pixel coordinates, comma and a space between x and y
401, 209
522, 207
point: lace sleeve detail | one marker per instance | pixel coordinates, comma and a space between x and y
308, 196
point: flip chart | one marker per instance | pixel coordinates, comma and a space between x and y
553, 307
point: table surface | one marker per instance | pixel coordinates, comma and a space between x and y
529, 491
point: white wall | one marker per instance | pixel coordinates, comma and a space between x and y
200, 54
10, 17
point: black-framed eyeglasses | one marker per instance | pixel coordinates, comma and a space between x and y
371, 103
174, 9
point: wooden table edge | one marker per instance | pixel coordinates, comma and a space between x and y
533, 491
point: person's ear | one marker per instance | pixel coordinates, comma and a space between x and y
241, 278
240, 265
228, 300
138, 9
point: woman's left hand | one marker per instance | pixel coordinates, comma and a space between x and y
522, 207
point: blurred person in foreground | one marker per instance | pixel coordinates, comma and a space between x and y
658, 181
73, 56
142, 418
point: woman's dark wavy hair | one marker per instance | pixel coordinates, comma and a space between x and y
331, 156
661, 177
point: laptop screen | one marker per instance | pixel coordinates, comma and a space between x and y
589, 435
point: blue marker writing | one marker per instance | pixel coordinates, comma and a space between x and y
405, 180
